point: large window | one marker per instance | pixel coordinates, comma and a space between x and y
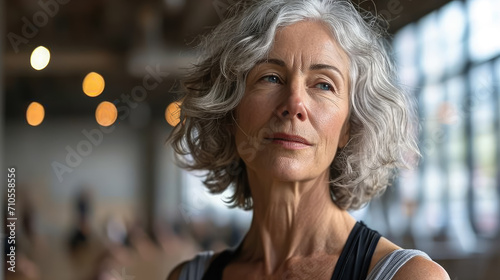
450, 60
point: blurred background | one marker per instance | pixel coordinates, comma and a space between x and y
87, 100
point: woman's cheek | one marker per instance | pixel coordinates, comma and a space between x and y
257, 105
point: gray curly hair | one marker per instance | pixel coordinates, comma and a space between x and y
381, 129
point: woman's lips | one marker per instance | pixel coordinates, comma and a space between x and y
289, 141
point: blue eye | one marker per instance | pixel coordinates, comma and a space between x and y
271, 79
324, 86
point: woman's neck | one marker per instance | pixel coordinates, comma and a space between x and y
293, 220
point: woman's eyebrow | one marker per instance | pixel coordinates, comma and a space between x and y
313, 67
325, 66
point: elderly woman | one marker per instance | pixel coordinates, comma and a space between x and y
294, 105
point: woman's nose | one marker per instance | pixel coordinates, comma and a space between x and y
293, 103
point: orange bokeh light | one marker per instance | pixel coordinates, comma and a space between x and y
173, 113
106, 113
93, 84
35, 114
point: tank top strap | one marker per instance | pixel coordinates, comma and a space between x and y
389, 265
194, 269
216, 268
354, 261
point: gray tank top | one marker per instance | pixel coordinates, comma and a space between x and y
385, 269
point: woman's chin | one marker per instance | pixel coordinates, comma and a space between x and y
288, 170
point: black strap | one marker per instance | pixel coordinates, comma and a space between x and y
217, 266
354, 261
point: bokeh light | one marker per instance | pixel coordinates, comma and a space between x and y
40, 58
93, 84
35, 114
106, 113
173, 113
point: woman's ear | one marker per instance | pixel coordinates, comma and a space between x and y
344, 134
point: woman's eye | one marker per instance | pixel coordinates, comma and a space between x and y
324, 86
271, 79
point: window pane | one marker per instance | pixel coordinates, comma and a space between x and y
484, 148
405, 48
484, 17
433, 176
457, 138
458, 176
452, 22
433, 56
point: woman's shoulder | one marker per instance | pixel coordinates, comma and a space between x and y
392, 262
194, 268
421, 267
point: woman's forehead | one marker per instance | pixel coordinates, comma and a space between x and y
308, 42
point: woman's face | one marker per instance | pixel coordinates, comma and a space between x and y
292, 117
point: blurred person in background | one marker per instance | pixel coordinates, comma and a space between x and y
295, 105
81, 231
